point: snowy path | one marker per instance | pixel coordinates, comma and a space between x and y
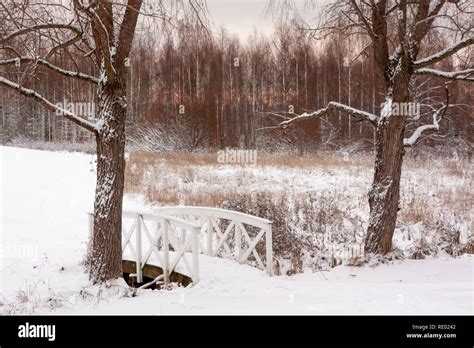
43, 230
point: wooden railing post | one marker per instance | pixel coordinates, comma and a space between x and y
166, 246
138, 241
209, 236
238, 242
269, 249
195, 252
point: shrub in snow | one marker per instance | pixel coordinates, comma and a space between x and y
311, 230
174, 136
468, 248
286, 245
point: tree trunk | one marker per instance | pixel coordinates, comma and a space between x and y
105, 255
384, 195
385, 192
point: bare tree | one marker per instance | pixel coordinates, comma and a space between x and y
397, 32
33, 32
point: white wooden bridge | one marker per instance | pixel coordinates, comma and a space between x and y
173, 237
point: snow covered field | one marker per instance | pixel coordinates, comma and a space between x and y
43, 232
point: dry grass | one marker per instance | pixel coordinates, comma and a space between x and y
199, 180
169, 178
263, 160
436, 193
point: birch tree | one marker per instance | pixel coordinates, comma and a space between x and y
398, 33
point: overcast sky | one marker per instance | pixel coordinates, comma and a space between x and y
242, 16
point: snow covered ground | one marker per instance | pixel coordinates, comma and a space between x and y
43, 231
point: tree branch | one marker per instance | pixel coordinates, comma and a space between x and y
437, 117
90, 126
52, 67
363, 19
99, 31
464, 75
444, 53
422, 24
39, 27
64, 45
359, 114
127, 28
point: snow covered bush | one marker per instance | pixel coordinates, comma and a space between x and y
310, 230
177, 135
287, 245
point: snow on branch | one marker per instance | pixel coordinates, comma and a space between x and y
359, 114
90, 126
444, 53
437, 116
412, 140
51, 66
466, 75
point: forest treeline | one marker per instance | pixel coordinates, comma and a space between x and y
215, 91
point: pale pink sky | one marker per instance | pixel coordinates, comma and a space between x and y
242, 16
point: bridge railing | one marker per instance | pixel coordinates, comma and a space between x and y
173, 237
165, 241
219, 227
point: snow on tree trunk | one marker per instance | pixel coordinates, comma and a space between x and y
384, 195
105, 253
385, 191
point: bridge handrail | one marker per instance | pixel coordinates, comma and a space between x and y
150, 215
237, 218
214, 212
167, 220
